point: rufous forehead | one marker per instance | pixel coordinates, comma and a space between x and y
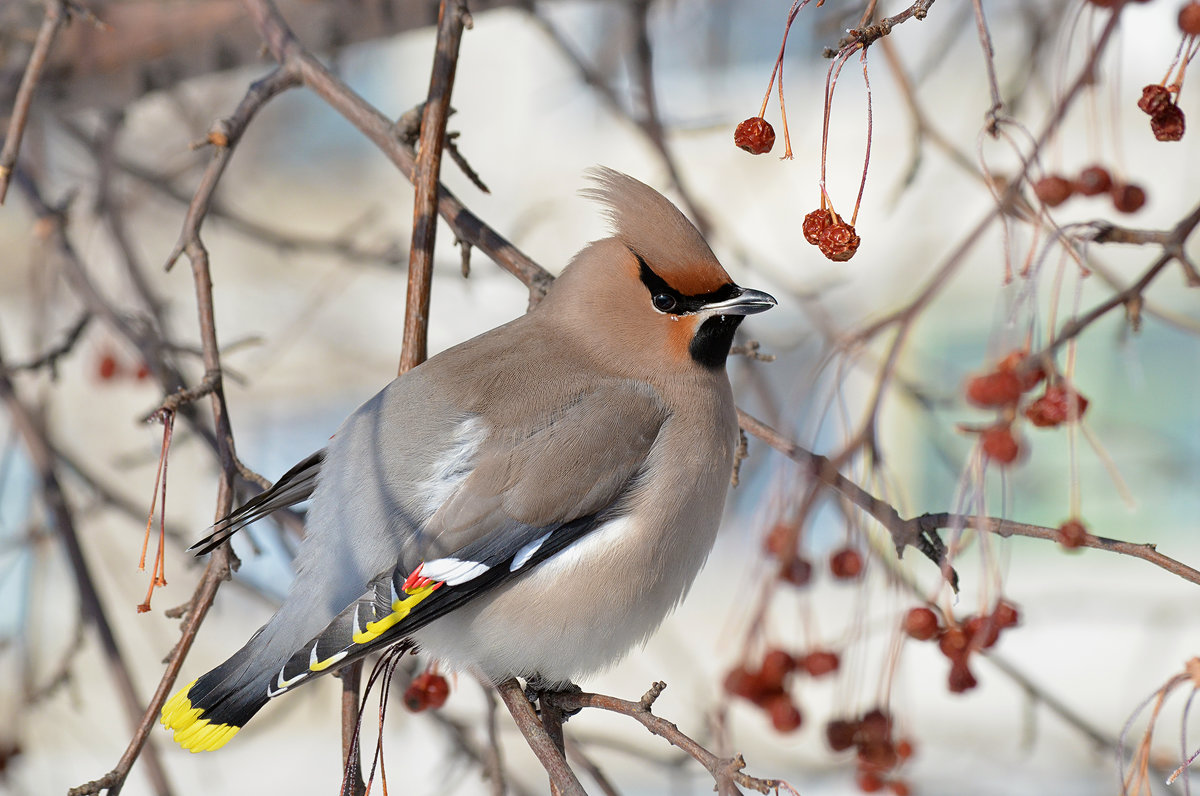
694, 278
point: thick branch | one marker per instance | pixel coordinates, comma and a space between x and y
452, 18
561, 776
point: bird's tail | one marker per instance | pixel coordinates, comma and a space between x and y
212, 708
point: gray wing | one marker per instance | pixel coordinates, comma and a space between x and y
530, 493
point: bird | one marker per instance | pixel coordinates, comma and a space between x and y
530, 503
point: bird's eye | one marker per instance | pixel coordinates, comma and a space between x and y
664, 302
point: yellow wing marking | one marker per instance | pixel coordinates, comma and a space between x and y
400, 609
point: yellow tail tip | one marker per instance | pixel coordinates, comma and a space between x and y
192, 732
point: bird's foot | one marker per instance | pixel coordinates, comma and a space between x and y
536, 688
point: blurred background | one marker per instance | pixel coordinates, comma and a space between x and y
308, 246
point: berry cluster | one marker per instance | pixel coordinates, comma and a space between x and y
1003, 388
427, 690
1166, 117
109, 366
766, 685
1054, 189
870, 735
755, 135
958, 641
844, 564
827, 231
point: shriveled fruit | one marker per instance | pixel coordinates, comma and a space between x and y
1168, 124
868, 782
1028, 373
846, 564
875, 726
1071, 534
106, 367
776, 665
1093, 181
1154, 99
797, 572
1006, 614
819, 663
744, 683
954, 643
755, 135
1128, 198
839, 734
1053, 190
961, 679
1059, 404
999, 444
838, 241
921, 624
1189, 19
785, 716
999, 388
815, 223
426, 691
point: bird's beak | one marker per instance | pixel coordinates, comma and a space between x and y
747, 302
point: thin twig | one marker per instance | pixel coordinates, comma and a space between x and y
727, 772
56, 15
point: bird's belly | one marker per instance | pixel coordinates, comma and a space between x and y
577, 612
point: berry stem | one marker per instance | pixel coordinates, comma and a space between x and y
862, 185
831, 77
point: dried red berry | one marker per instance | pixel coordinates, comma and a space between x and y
819, 663
143, 372
1128, 198
983, 631
904, 749
776, 665
106, 367
875, 727
1071, 534
1189, 19
839, 733
954, 643
742, 682
1006, 614
899, 787
1093, 181
815, 224
1168, 124
797, 572
755, 135
838, 242
846, 564
877, 755
785, 716
999, 388
1053, 190
1029, 374
427, 690
1059, 404
921, 624
1154, 99
868, 781
999, 444
777, 539
961, 678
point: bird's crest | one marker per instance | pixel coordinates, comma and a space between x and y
646, 222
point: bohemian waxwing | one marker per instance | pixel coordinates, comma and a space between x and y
532, 502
